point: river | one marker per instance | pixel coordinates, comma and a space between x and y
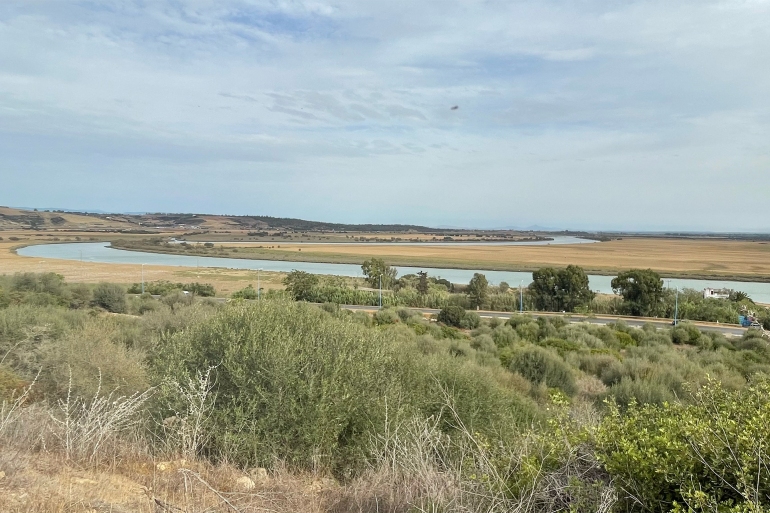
101, 252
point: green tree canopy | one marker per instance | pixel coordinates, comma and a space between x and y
478, 289
422, 283
376, 267
299, 284
560, 289
642, 291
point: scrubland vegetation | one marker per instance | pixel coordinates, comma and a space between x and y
283, 406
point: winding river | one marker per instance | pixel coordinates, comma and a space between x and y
102, 253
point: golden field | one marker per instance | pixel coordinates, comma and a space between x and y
672, 257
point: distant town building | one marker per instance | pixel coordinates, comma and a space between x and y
716, 293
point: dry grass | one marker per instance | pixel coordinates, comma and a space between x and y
419, 469
39, 473
695, 257
44, 482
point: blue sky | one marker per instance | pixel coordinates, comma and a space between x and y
634, 115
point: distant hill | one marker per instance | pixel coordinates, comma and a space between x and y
16, 218
303, 225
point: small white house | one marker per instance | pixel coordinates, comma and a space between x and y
716, 293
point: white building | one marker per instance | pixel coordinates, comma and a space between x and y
716, 293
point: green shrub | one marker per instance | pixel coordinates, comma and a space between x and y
470, 321
484, 343
80, 296
640, 391
248, 292
539, 365
708, 456
291, 382
386, 316
109, 296
504, 335
93, 356
452, 316
295, 383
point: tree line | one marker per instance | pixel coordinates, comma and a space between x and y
638, 292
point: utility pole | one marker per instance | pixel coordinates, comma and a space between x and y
259, 289
380, 291
676, 307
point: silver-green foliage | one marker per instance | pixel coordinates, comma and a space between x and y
297, 383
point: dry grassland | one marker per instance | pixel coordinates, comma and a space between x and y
683, 257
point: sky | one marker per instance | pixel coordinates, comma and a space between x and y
584, 115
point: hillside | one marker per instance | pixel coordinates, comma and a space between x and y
16, 219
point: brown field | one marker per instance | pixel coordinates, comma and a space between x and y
672, 257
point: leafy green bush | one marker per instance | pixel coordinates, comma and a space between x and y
248, 292
386, 316
708, 456
80, 296
111, 297
291, 381
540, 365
471, 320
452, 316
296, 383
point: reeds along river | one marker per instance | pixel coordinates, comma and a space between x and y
102, 253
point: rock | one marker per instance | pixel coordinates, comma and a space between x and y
245, 483
164, 466
2, 475
321, 484
259, 475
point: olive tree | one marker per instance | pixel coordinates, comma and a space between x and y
559, 290
642, 291
374, 268
478, 289
299, 284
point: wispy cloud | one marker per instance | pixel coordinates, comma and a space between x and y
589, 114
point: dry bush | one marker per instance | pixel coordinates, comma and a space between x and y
88, 430
92, 357
417, 467
186, 431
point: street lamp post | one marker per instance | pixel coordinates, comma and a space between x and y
676, 307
